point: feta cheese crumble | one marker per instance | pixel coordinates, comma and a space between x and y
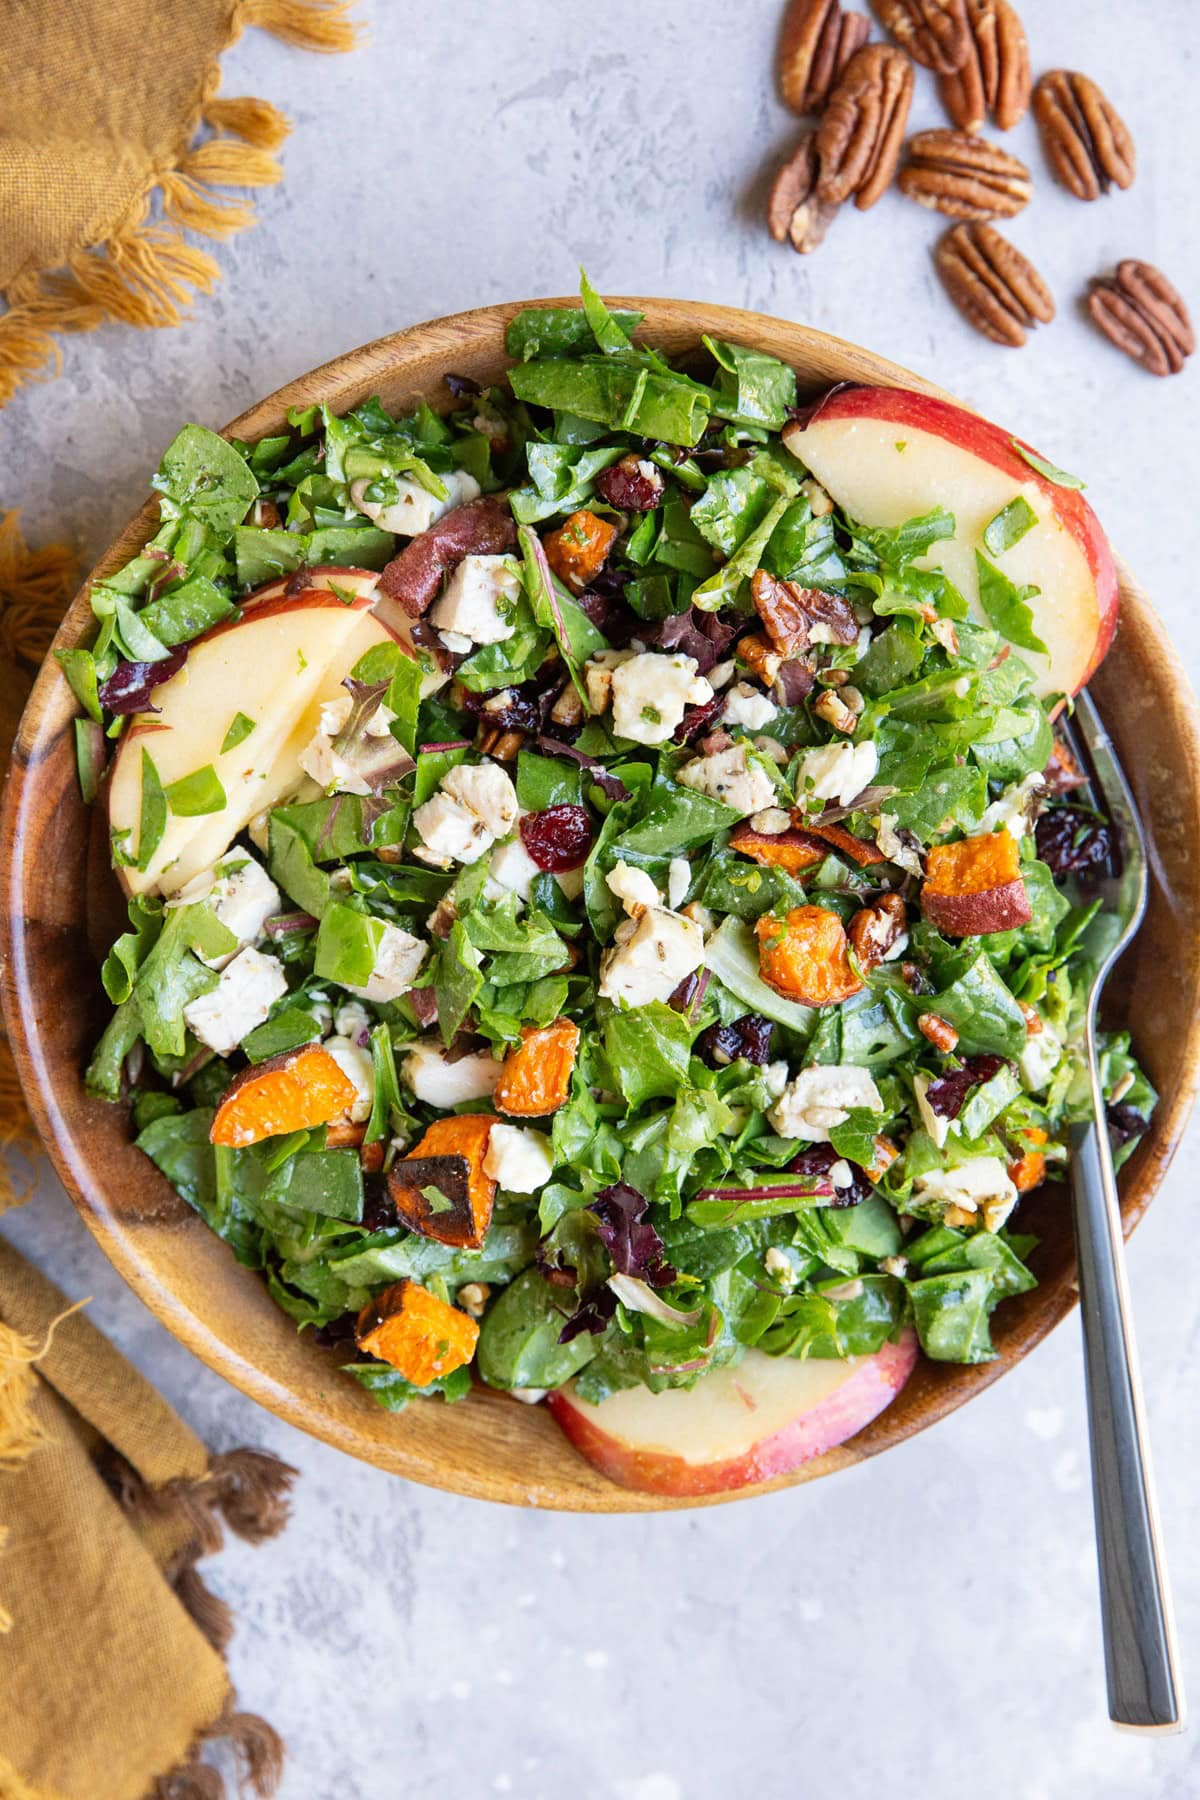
358, 1067
633, 888
837, 772
518, 1160
732, 777
748, 706
821, 1098
512, 870
651, 693
398, 959
981, 1184
248, 988
240, 893
414, 509
474, 805
1012, 811
650, 957
479, 600
440, 1082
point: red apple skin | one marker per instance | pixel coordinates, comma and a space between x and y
872, 1386
941, 418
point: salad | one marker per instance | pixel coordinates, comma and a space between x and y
600, 906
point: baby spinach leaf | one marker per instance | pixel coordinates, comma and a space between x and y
1008, 526
752, 388
195, 795
1006, 606
648, 1049
202, 475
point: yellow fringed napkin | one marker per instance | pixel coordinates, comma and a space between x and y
112, 1682
107, 108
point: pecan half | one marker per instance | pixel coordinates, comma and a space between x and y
964, 176
995, 288
859, 137
815, 44
995, 76
934, 32
1085, 139
796, 617
794, 213
1140, 312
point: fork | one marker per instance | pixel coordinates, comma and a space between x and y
1140, 1655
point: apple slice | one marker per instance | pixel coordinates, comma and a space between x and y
364, 585
888, 454
736, 1426
275, 665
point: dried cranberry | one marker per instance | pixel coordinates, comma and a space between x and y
632, 484
748, 1038
512, 709
817, 1162
558, 838
947, 1095
697, 720
1072, 839
687, 995
1125, 1122
379, 1212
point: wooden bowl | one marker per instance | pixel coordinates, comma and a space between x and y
61, 910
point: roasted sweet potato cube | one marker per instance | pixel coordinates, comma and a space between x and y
1028, 1172
578, 550
857, 849
804, 956
791, 850
416, 1332
441, 1188
536, 1076
291, 1092
974, 886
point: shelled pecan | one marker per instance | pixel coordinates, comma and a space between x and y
795, 215
859, 137
1142, 313
995, 288
994, 77
964, 176
816, 42
934, 32
1086, 141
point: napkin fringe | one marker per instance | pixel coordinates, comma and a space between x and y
247, 1490
256, 1747
211, 1615
148, 275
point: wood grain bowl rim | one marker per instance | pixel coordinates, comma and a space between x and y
345, 1417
